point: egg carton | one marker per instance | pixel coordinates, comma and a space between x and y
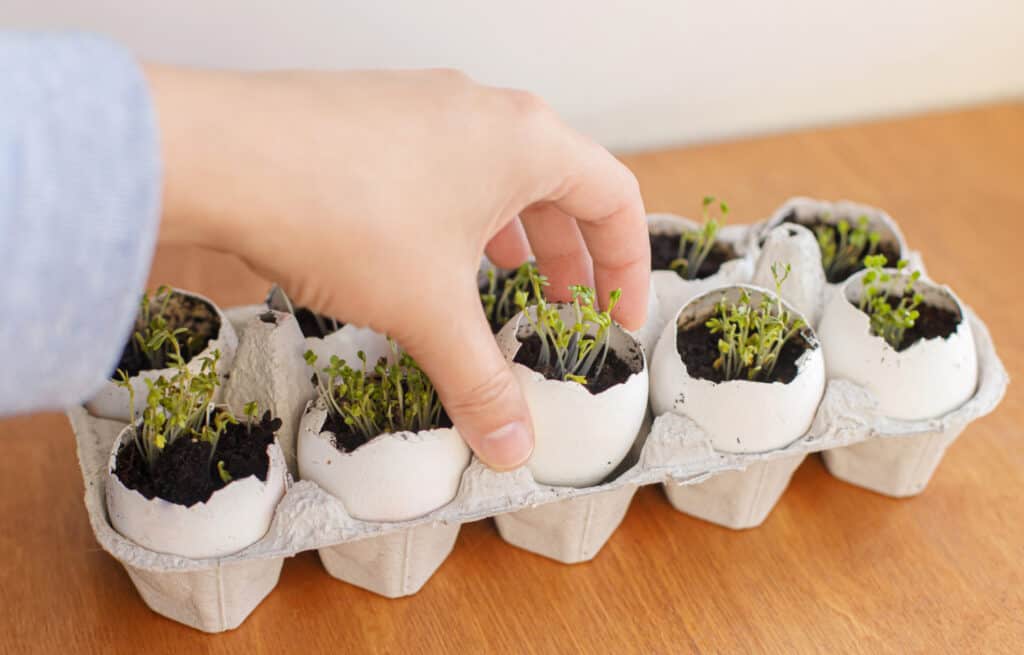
893, 457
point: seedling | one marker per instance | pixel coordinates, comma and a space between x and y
252, 413
696, 245
499, 305
881, 291
575, 352
376, 400
222, 471
751, 336
152, 337
844, 246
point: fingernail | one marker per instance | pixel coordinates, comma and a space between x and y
506, 448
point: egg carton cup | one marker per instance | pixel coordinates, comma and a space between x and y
568, 524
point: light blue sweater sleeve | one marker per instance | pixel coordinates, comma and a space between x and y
79, 210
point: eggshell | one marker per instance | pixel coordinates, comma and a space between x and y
673, 291
739, 416
804, 287
112, 401
878, 220
234, 517
580, 436
928, 379
393, 477
347, 342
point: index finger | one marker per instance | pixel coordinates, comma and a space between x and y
604, 197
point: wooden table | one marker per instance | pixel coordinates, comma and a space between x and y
833, 569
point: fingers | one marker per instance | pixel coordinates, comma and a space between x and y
605, 198
577, 178
509, 248
559, 249
475, 384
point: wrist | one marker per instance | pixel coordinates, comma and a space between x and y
192, 169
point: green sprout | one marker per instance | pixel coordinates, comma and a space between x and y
844, 246
252, 414
222, 471
695, 245
499, 305
386, 398
576, 352
152, 337
880, 291
751, 336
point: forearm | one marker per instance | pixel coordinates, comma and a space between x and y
79, 210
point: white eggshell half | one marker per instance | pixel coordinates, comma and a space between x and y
804, 287
878, 220
673, 291
346, 344
234, 517
928, 379
112, 401
739, 416
393, 477
580, 437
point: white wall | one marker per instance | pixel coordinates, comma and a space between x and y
632, 74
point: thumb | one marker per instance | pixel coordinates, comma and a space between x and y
476, 386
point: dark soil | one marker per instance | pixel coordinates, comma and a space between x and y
887, 248
310, 323
185, 474
933, 323
346, 440
615, 370
698, 348
665, 250
200, 318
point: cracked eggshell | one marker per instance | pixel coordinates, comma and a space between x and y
808, 208
673, 291
393, 477
580, 437
739, 416
112, 402
346, 344
235, 516
928, 379
804, 287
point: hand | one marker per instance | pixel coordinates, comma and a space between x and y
370, 196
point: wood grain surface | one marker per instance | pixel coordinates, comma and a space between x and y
833, 569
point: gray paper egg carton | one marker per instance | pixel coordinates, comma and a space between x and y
570, 525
